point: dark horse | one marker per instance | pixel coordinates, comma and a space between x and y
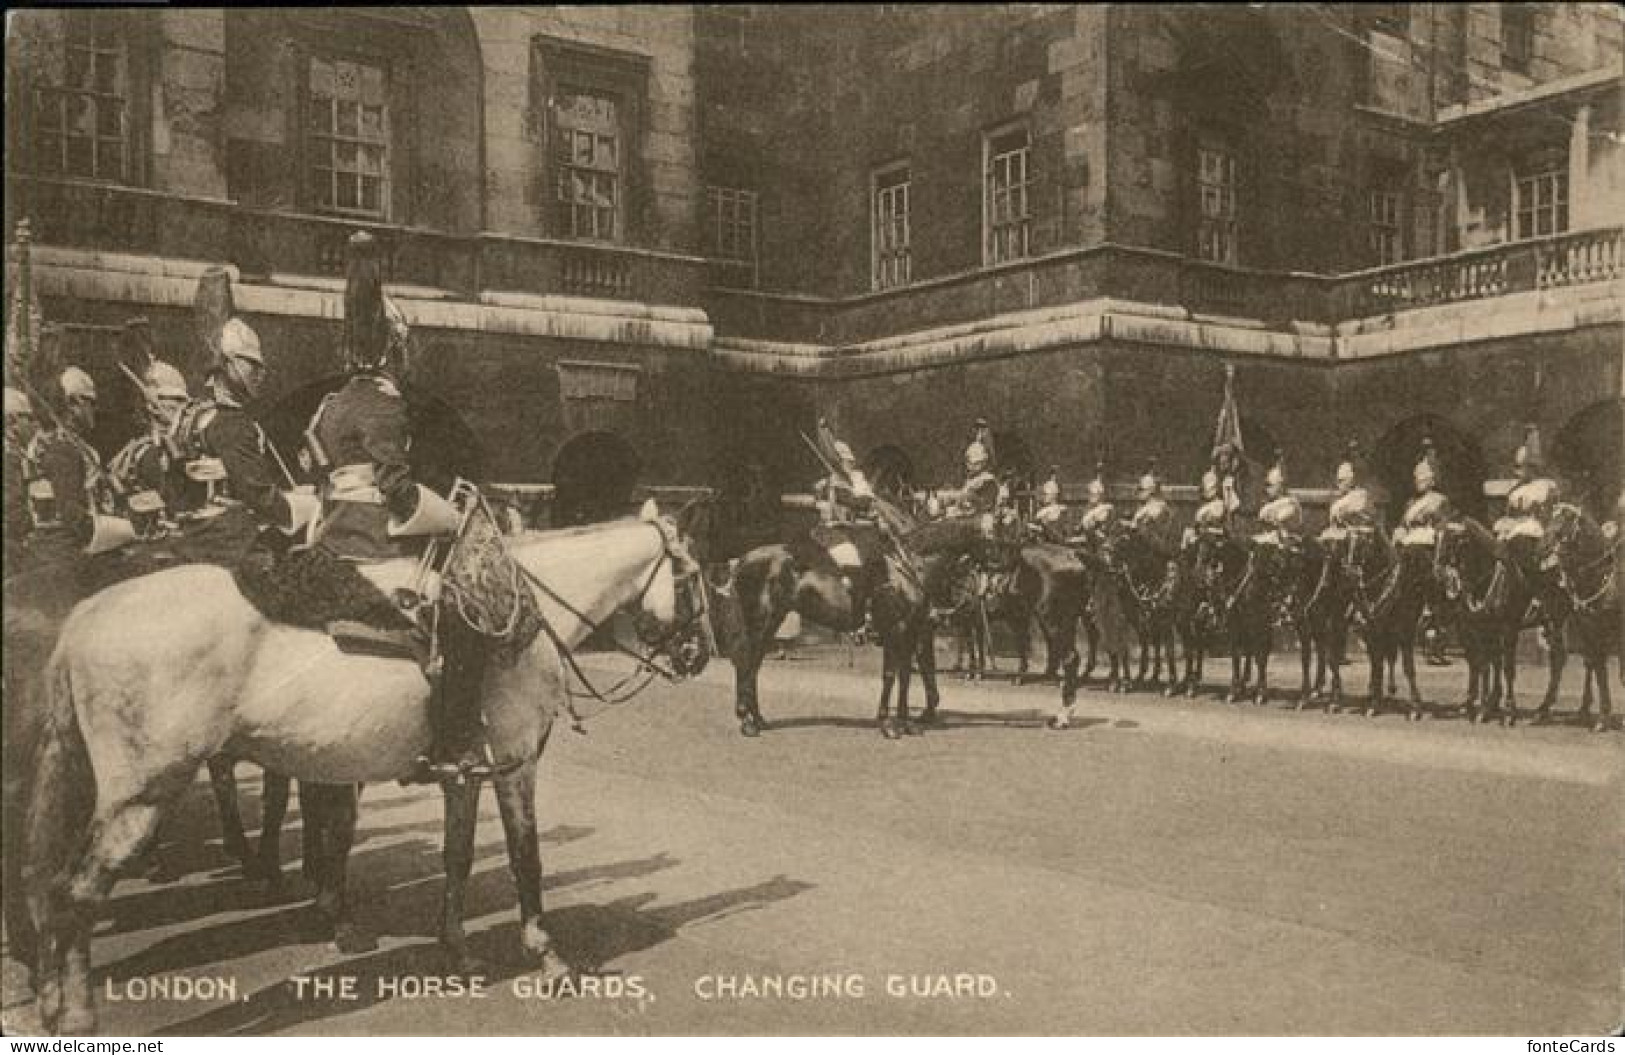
1485, 597
1046, 583
1388, 587
772, 581
1276, 583
1160, 596
1588, 580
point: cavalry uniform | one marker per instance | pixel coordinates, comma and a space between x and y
1099, 513
231, 491
1049, 517
1529, 504
1154, 520
1214, 515
20, 431
1282, 516
1350, 513
144, 472
359, 435
1428, 511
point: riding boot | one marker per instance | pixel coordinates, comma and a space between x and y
457, 753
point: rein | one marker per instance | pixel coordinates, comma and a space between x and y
1589, 604
647, 669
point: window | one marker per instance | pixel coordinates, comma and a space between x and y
1008, 182
588, 142
1216, 192
1517, 36
889, 238
731, 234
349, 137
82, 115
1542, 202
1383, 210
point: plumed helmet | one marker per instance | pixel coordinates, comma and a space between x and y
375, 331
17, 403
164, 381
1276, 477
975, 457
76, 384
1347, 471
844, 452
239, 341
1426, 473
1210, 484
1150, 484
1097, 486
1051, 490
1530, 454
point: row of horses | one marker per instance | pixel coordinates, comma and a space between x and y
1118, 591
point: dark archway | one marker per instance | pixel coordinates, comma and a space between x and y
1461, 464
1585, 454
593, 477
890, 471
443, 446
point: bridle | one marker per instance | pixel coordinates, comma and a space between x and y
1453, 580
1569, 522
647, 667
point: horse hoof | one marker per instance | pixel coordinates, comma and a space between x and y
889, 731
1019, 680
749, 729
1370, 712
912, 729
1170, 692
1058, 722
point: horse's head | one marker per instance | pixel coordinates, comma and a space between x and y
1458, 553
1571, 534
673, 614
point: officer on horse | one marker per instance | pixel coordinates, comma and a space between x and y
70, 496
1154, 519
1281, 517
143, 471
1047, 521
359, 438
1220, 497
1529, 505
21, 428
1429, 510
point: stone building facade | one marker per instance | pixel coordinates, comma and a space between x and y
645, 247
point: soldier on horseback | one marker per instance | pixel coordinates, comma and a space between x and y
1281, 517
143, 471
1098, 511
1047, 521
1154, 519
1352, 512
1529, 506
980, 494
71, 502
21, 427
359, 438
1220, 498
1429, 510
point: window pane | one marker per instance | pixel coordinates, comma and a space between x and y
348, 119
107, 74
372, 122
110, 159
107, 118
346, 191
80, 116
79, 71
371, 194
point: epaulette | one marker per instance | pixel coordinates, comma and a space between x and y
387, 387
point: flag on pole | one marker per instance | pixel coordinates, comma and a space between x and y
1228, 428
23, 315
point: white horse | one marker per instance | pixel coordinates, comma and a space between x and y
156, 675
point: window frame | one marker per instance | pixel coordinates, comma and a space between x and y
1385, 223
1541, 188
391, 174
992, 253
886, 252
1223, 226
558, 65
728, 266
134, 39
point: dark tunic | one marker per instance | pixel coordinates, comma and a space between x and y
250, 494
362, 432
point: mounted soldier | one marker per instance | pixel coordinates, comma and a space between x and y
1429, 510
1154, 519
71, 502
1221, 499
980, 493
370, 502
144, 471
1048, 521
1098, 511
232, 484
21, 427
1281, 516
1529, 506
1352, 512
846, 508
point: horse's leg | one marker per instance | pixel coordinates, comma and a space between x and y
1605, 700
925, 658
747, 668
888, 678
1089, 638
267, 866
1509, 675
1262, 692
516, 799
1556, 658
462, 802
117, 836
905, 673
223, 782
337, 806
1306, 651
1408, 656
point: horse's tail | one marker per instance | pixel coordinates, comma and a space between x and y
63, 797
